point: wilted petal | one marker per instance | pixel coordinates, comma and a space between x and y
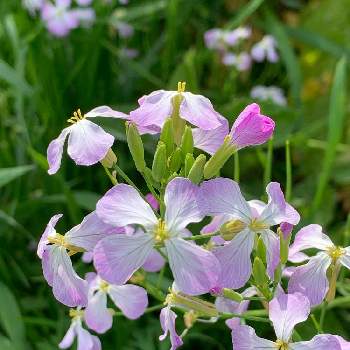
319, 342
55, 150
272, 244
122, 205
107, 112
199, 111
167, 322
68, 339
117, 257
236, 254
195, 269
286, 311
132, 300
311, 279
223, 196
181, 204
88, 143
245, 338
154, 262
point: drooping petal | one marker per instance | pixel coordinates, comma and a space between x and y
210, 140
131, 299
55, 150
122, 205
87, 234
311, 279
319, 342
223, 196
251, 127
154, 262
345, 259
107, 112
86, 341
181, 204
49, 231
199, 111
277, 209
236, 254
68, 339
195, 269
245, 338
96, 314
286, 311
167, 322
272, 244
88, 143
117, 257
310, 236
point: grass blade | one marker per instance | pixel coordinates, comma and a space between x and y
9, 174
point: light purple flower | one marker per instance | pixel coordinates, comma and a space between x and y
285, 312
222, 196
311, 279
87, 142
156, 107
215, 39
125, 30
130, 299
116, 258
55, 250
265, 49
266, 93
86, 341
167, 321
241, 61
128, 52
233, 37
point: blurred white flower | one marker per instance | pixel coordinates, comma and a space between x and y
241, 61
272, 93
265, 49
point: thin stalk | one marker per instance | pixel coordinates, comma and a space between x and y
255, 298
322, 316
111, 177
198, 237
288, 172
148, 310
316, 324
150, 187
268, 163
236, 167
124, 176
225, 316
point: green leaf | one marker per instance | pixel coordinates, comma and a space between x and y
9, 174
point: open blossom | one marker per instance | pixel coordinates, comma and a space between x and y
285, 312
55, 249
130, 299
242, 61
223, 197
269, 93
311, 279
86, 341
265, 49
116, 258
88, 143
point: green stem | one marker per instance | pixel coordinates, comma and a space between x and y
236, 167
255, 298
150, 187
288, 172
316, 324
124, 176
204, 236
148, 310
111, 177
268, 163
323, 315
225, 316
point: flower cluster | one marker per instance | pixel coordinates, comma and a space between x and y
243, 254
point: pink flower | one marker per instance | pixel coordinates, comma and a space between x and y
222, 197
265, 49
116, 258
87, 142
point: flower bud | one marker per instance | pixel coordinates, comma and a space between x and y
136, 147
229, 230
261, 249
159, 166
175, 160
187, 141
284, 246
167, 136
110, 159
178, 123
196, 172
190, 318
259, 272
189, 161
232, 295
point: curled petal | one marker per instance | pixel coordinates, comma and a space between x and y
167, 322
107, 112
68, 339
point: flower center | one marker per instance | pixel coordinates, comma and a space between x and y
60, 240
77, 116
74, 313
181, 86
160, 232
257, 226
281, 345
231, 228
335, 252
104, 286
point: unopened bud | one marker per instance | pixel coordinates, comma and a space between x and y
189, 161
136, 147
187, 141
178, 123
259, 272
167, 136
175, 160
159, 166
230, 229
261, 249
109, 160
196, 172
232, 295
284, 246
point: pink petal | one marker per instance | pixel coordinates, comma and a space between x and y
152, 201
88, 143
345, 259
245, 338
272, 244
167, 322
154, 262
181, 204
132, 300
319, 342
122, 205
344, 345
106, 112
117, 257
195, 269
55, 150
68, 339
86, 341
286, 311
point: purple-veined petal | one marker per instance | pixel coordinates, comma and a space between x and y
87, 257
272, 244
286, 229
88, 143
245, 338
122, 205
154, 262
49, 231
131, 299
210, 140
107, 112
96, 314
167, 322
214, 226
345, 259
297, 257
152, 201
55, 150
195, 269
311, 279
87, 234
319, 342
181, 204
310, 236
223, 196
286, 311
68, 339
117, 257
199, 111
86, 341
277, 209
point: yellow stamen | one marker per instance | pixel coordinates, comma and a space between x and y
181, 86
74, 313
104, 286
77, 116
161, 233
257, 226
60, 240
281, 345
335, 253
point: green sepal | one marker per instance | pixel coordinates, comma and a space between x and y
136, 147
196, 172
